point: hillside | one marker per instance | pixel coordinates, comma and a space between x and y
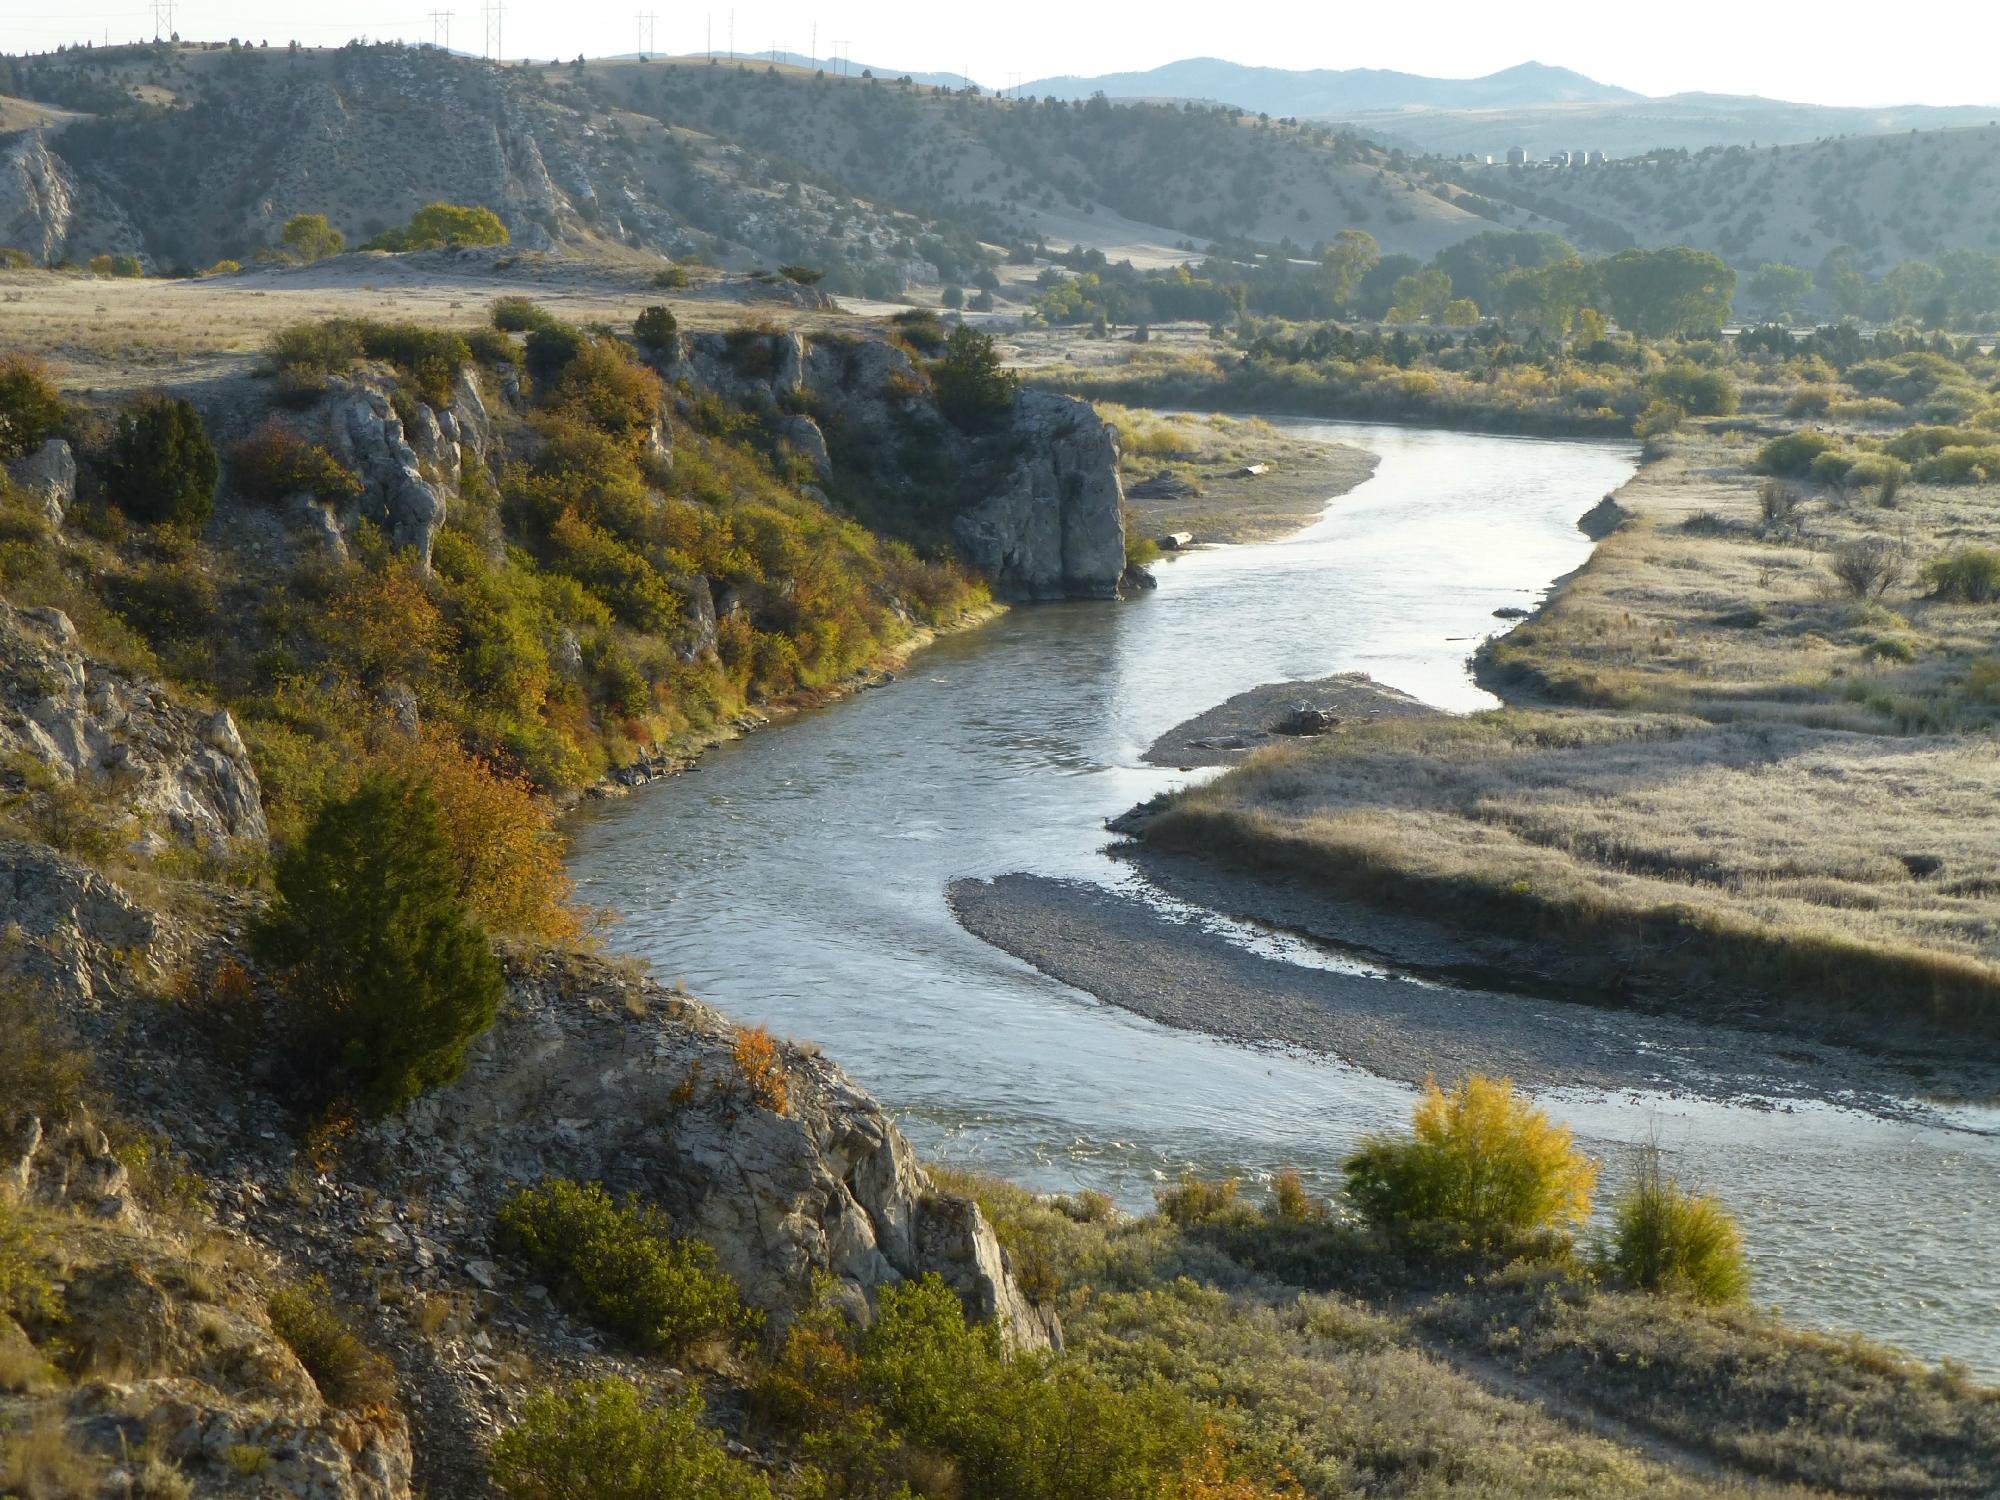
1891, 197
1330, 92
187, 155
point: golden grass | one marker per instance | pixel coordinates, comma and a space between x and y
1743, 804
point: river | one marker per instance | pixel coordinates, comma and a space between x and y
798, 879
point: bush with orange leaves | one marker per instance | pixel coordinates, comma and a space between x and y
761, 1068
503, 837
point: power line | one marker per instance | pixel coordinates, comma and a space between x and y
441, 18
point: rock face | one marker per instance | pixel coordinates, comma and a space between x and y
1055, 529
596, 1076
47, 212
48, 478
1040, 506
180, 773
367, 435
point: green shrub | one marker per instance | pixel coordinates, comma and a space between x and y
921, 328
160, 466
1965, 575
1696, 391
30, 410
971, 387
618, 1265
437, 225
1960, 464
1794, 453
1891, 648
1831, 467
551, 346
1481, 1162
1868, 567
671, 278
1665, 1238
520, 315
1875, 469
393, 977
308, 237
655, 327
305, 355
348, 1373
1195, 1200
597, 1440
274, 463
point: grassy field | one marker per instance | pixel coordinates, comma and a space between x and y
1367, 1371
1723, 777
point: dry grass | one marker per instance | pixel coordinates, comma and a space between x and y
1757, 799
43, 1464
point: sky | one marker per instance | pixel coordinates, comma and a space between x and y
1836, 52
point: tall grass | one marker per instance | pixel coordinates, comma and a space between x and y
1667, 1238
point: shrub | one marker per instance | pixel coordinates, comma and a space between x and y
655, 327
1868, 567
597, 1439
1196, 1200
920, 328
1962, 463
274, 462
1696, 391
1289, 1199
30, 410
1777, 503
1665, 1238
618, 1265
1965, 575
1481, 1161
348, 1373
520, 315
161, 466
1793, 454
41, 1073
670, 278
305, 355
761, 1068
308, 237
551, 346
437, 225
1658, 419
394, 977
971, 387
26, 1292
1831, 468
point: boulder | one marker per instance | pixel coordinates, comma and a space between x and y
1305, 718
47, 477
801, 434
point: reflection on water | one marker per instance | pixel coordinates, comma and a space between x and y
798, 880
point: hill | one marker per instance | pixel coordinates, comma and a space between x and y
1331, 92
1891, 197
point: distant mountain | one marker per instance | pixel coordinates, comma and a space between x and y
1325, 92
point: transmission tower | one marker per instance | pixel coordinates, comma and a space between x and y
441, 21
647, 20
495, 11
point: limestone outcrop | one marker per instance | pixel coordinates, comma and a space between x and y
1054, 528
365, 433
47, 477
596, 1075
178, 773
1040, 508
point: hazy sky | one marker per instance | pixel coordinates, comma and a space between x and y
1837, 52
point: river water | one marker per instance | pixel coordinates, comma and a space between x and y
798, 880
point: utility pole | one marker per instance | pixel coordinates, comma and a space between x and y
732, 33
441, 18
840, 56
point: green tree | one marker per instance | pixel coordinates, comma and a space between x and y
1351, 256
1839, 276
655, 327
1778, 290
1658, 293
308, 237
971, 386
394, 978
1476, 266
1548, 298
160, 466
31, 412
437, 225
1423, 294
1460, 312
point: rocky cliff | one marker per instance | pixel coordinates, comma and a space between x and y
1034, 502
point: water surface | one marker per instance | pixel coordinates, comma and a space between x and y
797, 879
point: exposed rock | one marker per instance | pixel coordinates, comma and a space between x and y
52, 215
1305, 718
47, 477
592, 1075
366, 434
697, 635
71, 934
1055, 528
1136, 580
64, 1163
1602, 519
471, 423
176, 770
801, 434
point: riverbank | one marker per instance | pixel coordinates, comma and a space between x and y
1720, 787
1217, 479
1223, 735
